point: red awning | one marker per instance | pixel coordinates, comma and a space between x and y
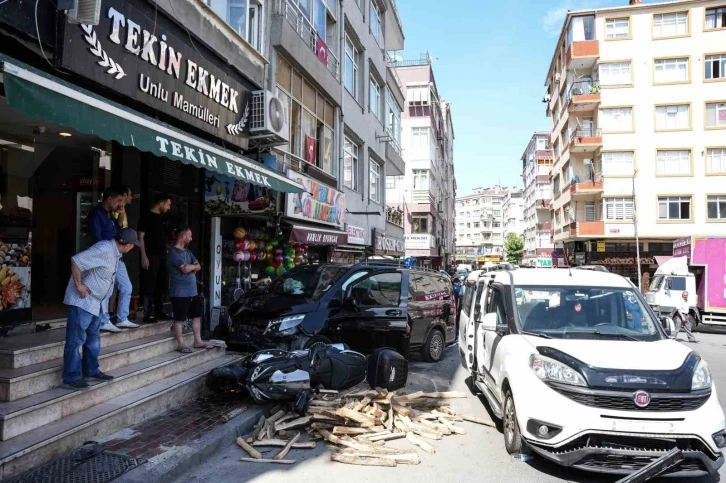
314, 235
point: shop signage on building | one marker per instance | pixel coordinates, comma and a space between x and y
138, 52
623, 261
319, 203
388, 245
356, 235
224, 195
419, 242
682, 247
319, 237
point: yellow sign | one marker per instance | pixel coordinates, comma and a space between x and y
601, 246
489, 259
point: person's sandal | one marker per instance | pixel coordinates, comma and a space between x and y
185, 350
205, 346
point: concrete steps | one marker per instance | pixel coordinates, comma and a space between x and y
35, 447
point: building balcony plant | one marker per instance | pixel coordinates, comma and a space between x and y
394, 216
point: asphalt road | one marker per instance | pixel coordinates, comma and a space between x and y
477, 456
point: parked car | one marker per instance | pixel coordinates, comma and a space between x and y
365, 306
588, 378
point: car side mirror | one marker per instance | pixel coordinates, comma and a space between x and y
489, 321
669, 326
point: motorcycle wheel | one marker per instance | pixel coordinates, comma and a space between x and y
306, 343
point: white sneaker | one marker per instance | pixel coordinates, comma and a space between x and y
126, 324
109, 327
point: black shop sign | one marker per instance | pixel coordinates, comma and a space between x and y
138, 52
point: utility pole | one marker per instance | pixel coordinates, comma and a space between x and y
635, 229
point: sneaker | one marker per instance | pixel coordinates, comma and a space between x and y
100, 377
109, 327
77, 385
126, 324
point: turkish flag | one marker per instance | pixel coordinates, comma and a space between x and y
311, 149
321, 49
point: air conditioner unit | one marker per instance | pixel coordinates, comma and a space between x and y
86, 12
269, 118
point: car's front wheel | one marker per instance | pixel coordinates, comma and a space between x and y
433, 349
513, 441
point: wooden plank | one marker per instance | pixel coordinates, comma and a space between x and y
252, 451
280, 443
328, 391
287, 448
356, 460
279, 462
327, 404
437, 427
406, 458
447, 410
270, 433
408, 397
452, 428
286, 417
345, 441
262, 432
445, 395
386, 437
346, 430
322, 426
355, 416
389, 420
362, 394
484, 422
277, 416
296, 423
400, 409
413, 439
324, 418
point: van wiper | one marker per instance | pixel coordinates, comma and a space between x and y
617, 336
536, 334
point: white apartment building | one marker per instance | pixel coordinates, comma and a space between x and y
636, 96
513, 213
536, 164
480, 225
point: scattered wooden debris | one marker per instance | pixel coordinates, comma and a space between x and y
287, 448
281, 462
361, 461
235, 412
413, 439
252, 451
296, 423
282, 443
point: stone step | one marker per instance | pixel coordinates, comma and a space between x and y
27, 414
25, 381
29, 349
33, 448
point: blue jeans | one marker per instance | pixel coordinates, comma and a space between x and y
82, 330
124, 294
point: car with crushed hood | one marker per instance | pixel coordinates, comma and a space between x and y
588, 377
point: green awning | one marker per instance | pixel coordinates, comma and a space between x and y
38, 94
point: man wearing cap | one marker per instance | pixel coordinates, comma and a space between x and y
93, 274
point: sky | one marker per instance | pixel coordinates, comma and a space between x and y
490, 61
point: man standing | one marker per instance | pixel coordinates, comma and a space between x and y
182, 267
681, 318
103, 226
93, 273
152, 234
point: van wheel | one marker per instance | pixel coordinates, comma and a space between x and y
433, 349
512, 436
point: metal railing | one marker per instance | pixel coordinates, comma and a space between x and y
584, 87
307, 32
585, 132
392, 68
424, 59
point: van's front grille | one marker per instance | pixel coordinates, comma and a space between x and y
623, 401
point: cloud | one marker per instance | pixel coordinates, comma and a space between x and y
553, 19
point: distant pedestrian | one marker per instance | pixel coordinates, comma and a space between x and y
458, 292
153, 235
93, 273
103, 226
186, 303
681, 318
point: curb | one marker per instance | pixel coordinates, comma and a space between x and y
174, 464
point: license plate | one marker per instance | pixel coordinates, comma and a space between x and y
658, 427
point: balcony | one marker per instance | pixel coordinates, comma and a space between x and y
585, 229
544, 226
585, 140
422, 196
584, 96
394, 216
586, 188
582, 54
394, 27
543, 204
544, 155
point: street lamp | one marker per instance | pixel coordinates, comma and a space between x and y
635, 229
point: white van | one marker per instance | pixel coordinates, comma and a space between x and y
587, 377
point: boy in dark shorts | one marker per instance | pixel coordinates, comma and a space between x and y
182, 267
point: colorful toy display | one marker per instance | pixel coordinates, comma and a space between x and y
254, 245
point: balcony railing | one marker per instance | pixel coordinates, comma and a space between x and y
392, 68
307, 32
394, 216
544, 226
584, 88
585, 132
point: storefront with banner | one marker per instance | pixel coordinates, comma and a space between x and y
355, 250
152, 116
385, 245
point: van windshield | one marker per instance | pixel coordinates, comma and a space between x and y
310, 281
656, 283
586, 313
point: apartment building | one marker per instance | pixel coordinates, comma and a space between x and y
513, 213
480, 225
331, 71
636, 97
537, 161
425, 194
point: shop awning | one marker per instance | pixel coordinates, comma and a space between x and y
313, 235
38, 94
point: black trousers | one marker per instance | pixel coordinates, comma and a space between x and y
156, 285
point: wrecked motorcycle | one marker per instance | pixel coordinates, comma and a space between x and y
276, 375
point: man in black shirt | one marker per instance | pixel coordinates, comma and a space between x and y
153, 237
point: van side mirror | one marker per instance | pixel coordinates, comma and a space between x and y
668, 326
669, 283
477, 312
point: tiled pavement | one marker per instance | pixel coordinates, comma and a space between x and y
176, 427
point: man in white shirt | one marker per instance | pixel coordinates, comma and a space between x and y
681, 318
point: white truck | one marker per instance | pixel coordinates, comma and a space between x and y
700, 269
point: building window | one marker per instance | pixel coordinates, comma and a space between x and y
615, 74
671, 70
669, 118
496, 213
716, 207
617, 163
420, 140
617, 209
715, 66
418, 95
716, 18
716, 114
390, 182
350, 166
394, 120
716, 160
589, 211
673, 162
244, 16
420, 224
375, 181
374, 101
674, 208
376, 23
420, 179
581, 28
351, 67
476, 224
670, 25
617, 119
617, 28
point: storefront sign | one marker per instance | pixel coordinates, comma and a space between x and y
614, 231
623, 261
314, 236
356, 235
682, 247
215, 245
138, 52
320, 203
419, 242
225, 195
388, 245
601, 246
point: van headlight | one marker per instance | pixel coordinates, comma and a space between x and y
550, 370
284, 325
701, 376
